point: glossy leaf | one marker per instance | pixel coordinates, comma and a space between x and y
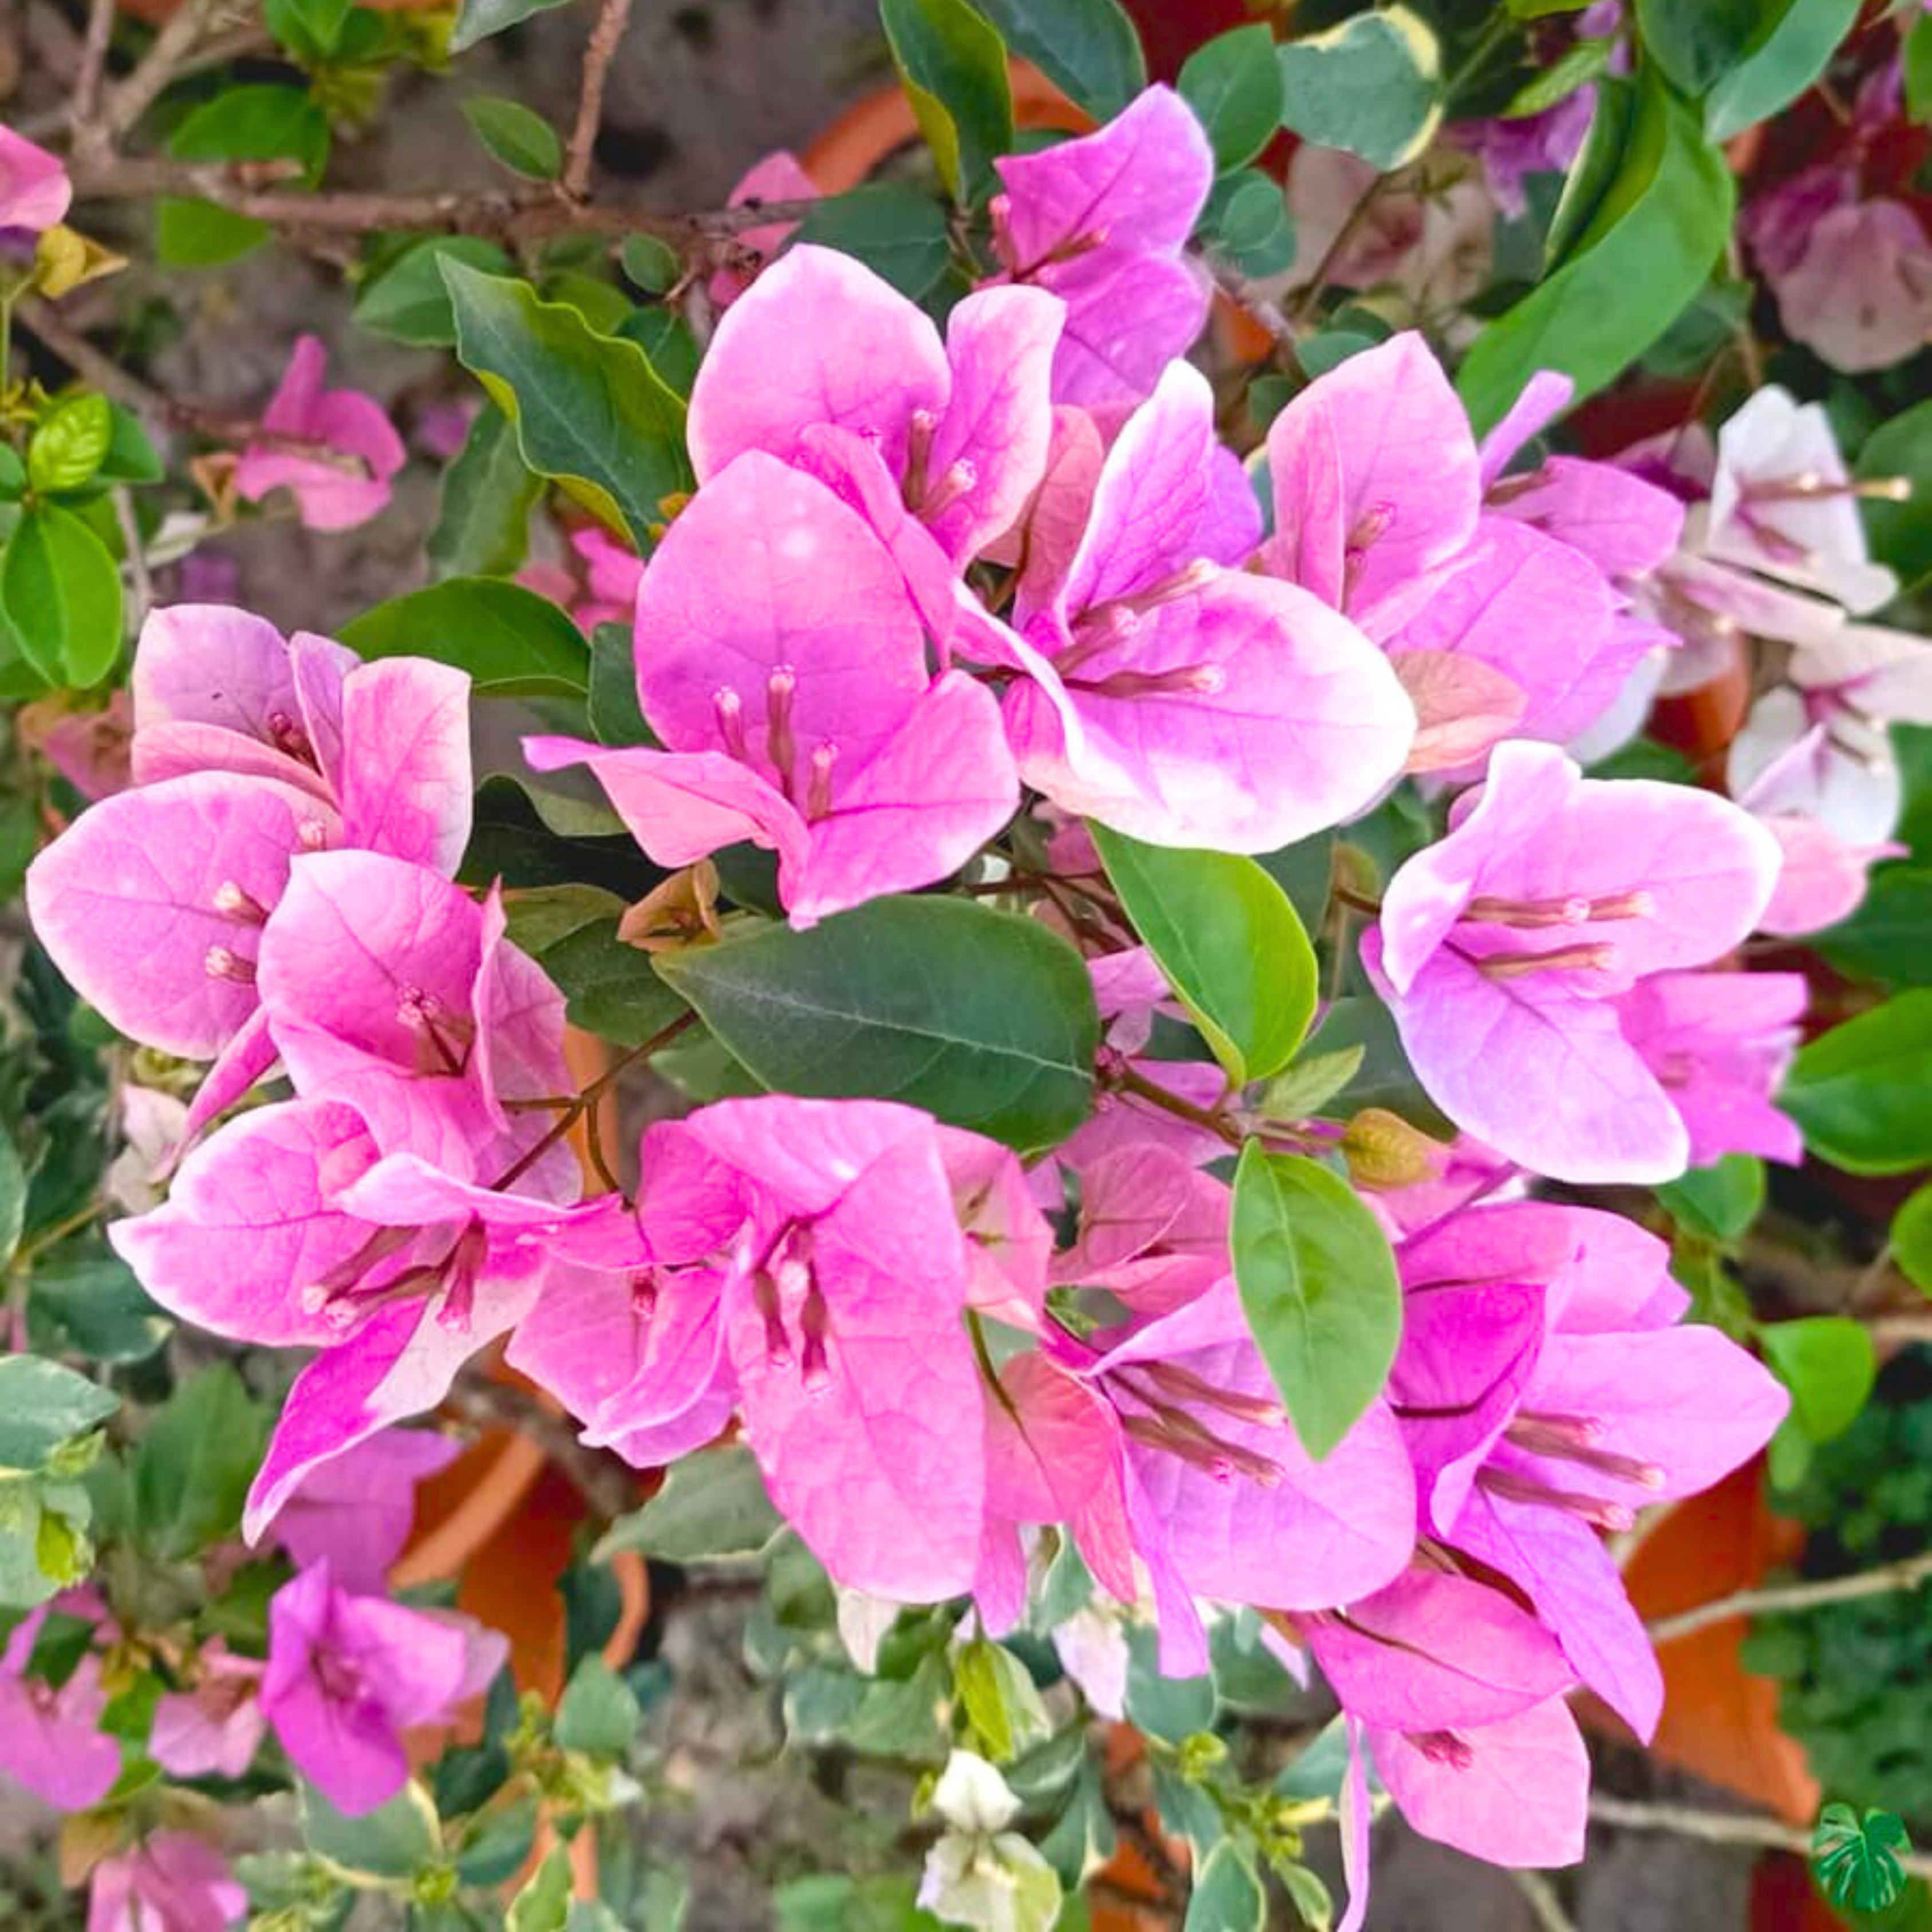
1720, 1201
513, 643
407, 301
62, 593
1230, 943
954, 67
1911, 1238
525, 143
478, 20
1889, 938
1649, 248
1826, 1362
590, 410
249, 123
610, 988
1859, 1861
982, 1017
1694, 44
898, 232
1577, 67
1858, 1092
70, 443
1088, 49
482, 523
1319, 1284
1233, 83
1791, 48
1372, 86
616, 717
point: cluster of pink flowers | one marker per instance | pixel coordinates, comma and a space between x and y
922, 575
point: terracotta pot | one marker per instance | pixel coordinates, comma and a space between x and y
1720, 1721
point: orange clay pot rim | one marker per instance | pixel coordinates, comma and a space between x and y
501, 1484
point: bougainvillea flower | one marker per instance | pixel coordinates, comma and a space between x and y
1504, 947
390, 988
34, 189
346, 480
170, 1882
956, 431
1720, 1043
356, 1509
779, 176
1377, 485
1153, 1228
611, 574
1512, 148
781, 662
1531, 1442
1782, 503
214, 1727
347, 1675
1166, 695
88, 748
1102, 222
50, 1739
1206, 1480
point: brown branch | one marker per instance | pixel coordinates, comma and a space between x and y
1908, 1575
158, 66
84, 108
613, 17
1721, 1827
509, 216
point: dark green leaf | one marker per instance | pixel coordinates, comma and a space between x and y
1248, 216
1911, 1238
1319, 1286
1088, 49
612, 991
42, 1406
589, 409
478, 20
651, 265
1578, 67
1720, 1201
482, 524
408, 302
1858, 1092
1233, 83
13, 1198
528, 837
1373, 86
598, 1710
512, 642
70, 443
194, 1464
1859, 1862
1889, 938
249, 123
1230, 943
526, 143
130, 457
616, 716
1695, 44
62, 593
897, 231
954, 67
1825, 1361
13, 474
1901, 533
1794, 43
984, 1019
1647, 250
85, 1300
712, 1506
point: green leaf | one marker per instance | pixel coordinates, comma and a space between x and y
1858, 1092
897, 231
1171, 1708
598, 1710
249, 123
1247, 216
1901, 533
543, 1905
1309, 1084
1719, 1202
310, 29
611, 989
1578, 67
651, 265
512, 642
1228, 1895
13, 1198
712, 1505
1826, 1362
1647, 250
13, 474
396, 1840
70, 443
1694, 44
1887, 937
590, 410
526, 836
478, 20
616, 717
526, 143
1000, 1700
984, 1018
1088, 49
482, 523
43, 1406
1859, 1863
85, 1300
407, 301
1233, 83
954, 67
194, 1464
1792, 46
1231, 944
1911, 1238
1319, 1286
1372, 86
1919, 71
62, 591
130, 457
